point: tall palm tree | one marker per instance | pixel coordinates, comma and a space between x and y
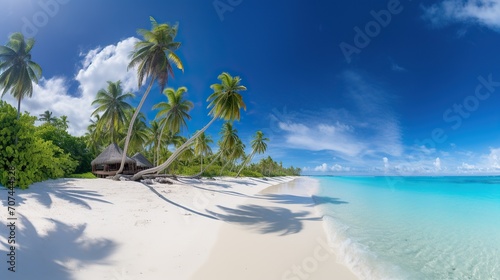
225, 102
47, 117
174, 113
233, 153
188, 153
93, 136
155, 139
202, 147
229, 143
221, 151
113, 106
259, 146
17, 71
168, 138
140, 131
64, 122
153, 57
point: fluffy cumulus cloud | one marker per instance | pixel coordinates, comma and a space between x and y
493, 158
321, 168
97, 67
369, 128
466, 166
326, 168
107, 64
484, 12
437, 164
386, 164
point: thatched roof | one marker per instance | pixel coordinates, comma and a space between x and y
112, 154
142, 161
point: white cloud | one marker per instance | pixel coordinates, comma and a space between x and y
368, 128
437, 164
107, 64
321, 168
98, 66
340, 168
427, 151
325, 168
386, 164
321, 137
494, 158
484, 12
466, 166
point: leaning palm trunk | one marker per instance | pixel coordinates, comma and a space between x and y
245, 163
159, 145
175, 155
130, 127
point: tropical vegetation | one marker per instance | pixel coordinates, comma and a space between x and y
50, 151
18, 72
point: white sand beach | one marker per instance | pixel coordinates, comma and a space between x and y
194, 229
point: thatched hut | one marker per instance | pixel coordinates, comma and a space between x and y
108, 162
142, 163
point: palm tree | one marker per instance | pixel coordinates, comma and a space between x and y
47, 117
225, 102
17, 71
140, 133
174, 113
63, 120
113, 106
259, 145
188, 153
167, 139
93, 137
155, 139
202, 147
153, 57
229, 143
233, 153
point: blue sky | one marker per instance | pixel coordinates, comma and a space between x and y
340, 87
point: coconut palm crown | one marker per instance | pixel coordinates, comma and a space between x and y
17, 71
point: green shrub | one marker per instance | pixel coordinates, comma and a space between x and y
74, 146
87, 175
32, 158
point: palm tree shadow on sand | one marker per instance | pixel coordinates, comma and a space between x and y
46, 192
308, 201
54, 255
265, 220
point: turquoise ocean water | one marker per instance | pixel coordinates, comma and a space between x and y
414, 227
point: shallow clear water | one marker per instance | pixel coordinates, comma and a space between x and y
414, 227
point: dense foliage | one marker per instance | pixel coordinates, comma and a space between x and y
74, 146
189, 165
32, 158
49, 151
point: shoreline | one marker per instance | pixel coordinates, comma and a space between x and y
103, 229
278, 252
